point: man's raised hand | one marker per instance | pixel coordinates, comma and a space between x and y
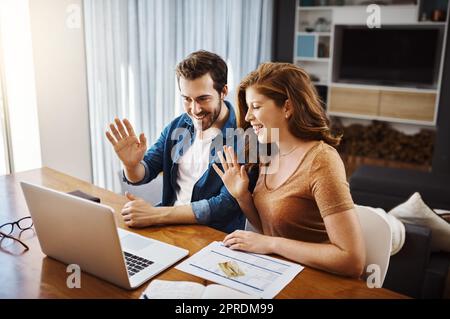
129, 148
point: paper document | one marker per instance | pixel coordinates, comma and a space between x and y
255, 274
164, 289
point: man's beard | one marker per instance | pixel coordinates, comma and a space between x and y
209, 119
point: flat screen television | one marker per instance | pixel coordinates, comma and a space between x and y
394, 55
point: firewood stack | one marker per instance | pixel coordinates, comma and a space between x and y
379, 140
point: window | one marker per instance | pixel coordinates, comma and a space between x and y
4, 155
19, 130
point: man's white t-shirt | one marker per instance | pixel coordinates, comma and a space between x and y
193, 164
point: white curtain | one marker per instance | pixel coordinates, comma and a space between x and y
132, 49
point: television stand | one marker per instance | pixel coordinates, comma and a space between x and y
394, 104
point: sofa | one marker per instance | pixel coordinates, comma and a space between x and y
415, 270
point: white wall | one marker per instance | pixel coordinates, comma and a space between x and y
60, 71
395, 14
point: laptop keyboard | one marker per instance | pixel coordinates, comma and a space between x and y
135, 263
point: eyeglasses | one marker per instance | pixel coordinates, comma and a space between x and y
7, 229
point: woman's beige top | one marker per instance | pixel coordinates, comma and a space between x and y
317, 188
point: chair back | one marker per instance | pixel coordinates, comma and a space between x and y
378, 240
150, 192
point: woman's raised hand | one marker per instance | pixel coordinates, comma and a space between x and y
234, 176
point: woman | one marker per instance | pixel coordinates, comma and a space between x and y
303, 208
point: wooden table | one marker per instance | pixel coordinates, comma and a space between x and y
31, 274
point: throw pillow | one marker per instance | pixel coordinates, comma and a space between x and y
398, 233
443, 213
415, 211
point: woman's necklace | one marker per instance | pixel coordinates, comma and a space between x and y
290, 151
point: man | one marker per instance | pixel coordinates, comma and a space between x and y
192, 191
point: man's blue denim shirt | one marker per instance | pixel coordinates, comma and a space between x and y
211, 202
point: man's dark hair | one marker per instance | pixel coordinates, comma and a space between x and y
199, 63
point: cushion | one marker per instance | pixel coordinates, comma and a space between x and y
398, 233
415, 211
444, 214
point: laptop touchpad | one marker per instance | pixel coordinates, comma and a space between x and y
135, 243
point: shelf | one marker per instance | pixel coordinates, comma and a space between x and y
432, 23
325, 60
316, 8
427, 8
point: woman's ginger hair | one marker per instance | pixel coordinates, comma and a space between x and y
285, 81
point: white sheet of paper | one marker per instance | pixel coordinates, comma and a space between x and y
264, 276
164, 289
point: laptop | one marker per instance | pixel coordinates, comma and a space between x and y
74, 230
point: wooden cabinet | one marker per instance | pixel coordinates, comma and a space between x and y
407, 106
355, 101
